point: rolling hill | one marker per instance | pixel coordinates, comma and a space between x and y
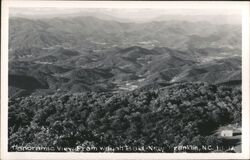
91, 33
65, 70
86, 53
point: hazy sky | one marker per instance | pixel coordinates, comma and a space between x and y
126, 14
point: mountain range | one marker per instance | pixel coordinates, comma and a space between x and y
85, 53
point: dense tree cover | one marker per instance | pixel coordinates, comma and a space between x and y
180, 114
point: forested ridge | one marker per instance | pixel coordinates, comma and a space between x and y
179, 114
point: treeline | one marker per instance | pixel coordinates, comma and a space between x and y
180, 114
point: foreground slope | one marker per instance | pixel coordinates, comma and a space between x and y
179, 114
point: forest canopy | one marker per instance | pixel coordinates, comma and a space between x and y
179, 114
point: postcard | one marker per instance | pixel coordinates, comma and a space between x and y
125, 80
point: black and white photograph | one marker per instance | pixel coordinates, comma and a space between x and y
124, 80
